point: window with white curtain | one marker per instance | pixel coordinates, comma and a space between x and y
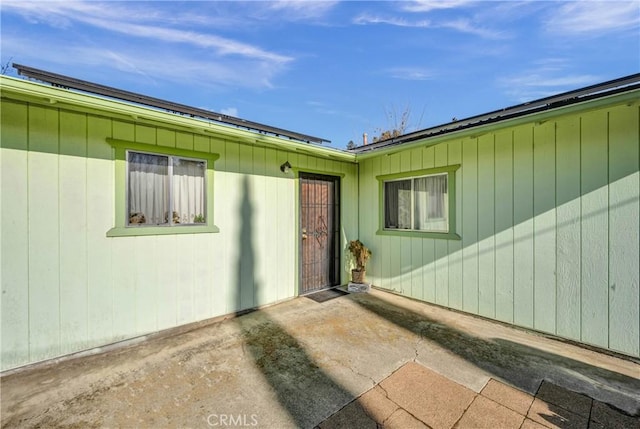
417, 203
165, 190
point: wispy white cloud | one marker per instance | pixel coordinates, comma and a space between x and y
329, 108
462, 25
221, 45
149, 66
301, 10
230, 111
536, 80
505, 13
550, 64
410, 73
149, 44
366, 18
115, 18
322, 107
594, 17
119, 61
467, 26
65, 12
547, 77
429, 5
175, 66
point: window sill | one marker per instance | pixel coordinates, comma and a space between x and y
161, 230
419, 234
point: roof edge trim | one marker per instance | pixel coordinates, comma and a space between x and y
632, 96
68, 82
25, 90
597, 91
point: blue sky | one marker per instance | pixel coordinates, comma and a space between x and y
330, 69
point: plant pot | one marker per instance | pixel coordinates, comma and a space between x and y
357, 276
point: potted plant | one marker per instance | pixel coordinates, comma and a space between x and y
361, 255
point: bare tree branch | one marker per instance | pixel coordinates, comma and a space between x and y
4, 69
398, 123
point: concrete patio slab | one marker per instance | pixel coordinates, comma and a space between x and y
302, 363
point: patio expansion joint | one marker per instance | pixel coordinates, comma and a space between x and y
371, 379
353, 370
475, 396
398, 407
415, 349
590, 412
386, 394
383, 424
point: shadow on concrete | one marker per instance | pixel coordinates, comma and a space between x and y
520, 365
305, 391
309, 395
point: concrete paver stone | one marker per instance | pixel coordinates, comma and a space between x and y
350, 417
530, 424
403, 420
572, 401
510, 397
376, 404
485, 413
554, 417
432, 398
612, 419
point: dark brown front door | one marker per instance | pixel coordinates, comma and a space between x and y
319, 232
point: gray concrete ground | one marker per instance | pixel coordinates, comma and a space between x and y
303, 364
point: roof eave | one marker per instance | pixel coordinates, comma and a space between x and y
600, 90
21, 89
432, 136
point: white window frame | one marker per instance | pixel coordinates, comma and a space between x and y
412, 210
119, 155
452, 222
170, 209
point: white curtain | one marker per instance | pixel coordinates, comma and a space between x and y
421, 196
431, 203
149, 182
398, 204
188, 191
148, 188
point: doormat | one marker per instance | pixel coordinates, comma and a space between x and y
326, 295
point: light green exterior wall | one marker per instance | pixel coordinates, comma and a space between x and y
67, 286
548, 212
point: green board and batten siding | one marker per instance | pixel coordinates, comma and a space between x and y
547, 210
548, 214
67, 287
